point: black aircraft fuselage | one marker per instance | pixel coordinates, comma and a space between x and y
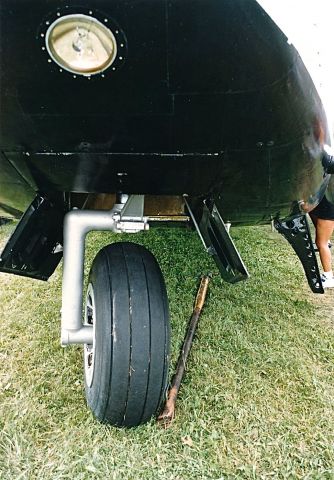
118, 114
204, 98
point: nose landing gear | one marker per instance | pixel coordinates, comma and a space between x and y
126, 332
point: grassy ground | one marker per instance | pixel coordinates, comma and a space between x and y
257, 400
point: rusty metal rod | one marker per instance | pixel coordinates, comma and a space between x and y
168, 413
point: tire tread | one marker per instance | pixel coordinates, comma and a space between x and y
131, 369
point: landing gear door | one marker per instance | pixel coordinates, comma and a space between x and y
35, 248
219, 244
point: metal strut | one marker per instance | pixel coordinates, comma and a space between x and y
126, 217
297, 232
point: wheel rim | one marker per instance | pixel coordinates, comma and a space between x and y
89, 349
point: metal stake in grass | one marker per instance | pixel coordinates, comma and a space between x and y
168, 413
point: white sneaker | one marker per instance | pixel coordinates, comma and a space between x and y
327, 282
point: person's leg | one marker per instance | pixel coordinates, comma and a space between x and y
314, 219
324, 230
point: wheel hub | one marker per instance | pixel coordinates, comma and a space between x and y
89, 349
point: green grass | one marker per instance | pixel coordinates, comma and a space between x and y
256, 402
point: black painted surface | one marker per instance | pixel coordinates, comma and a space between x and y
297, 233
34, 249
208, 99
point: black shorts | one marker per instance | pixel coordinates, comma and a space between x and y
325, 210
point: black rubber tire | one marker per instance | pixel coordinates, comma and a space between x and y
132, 336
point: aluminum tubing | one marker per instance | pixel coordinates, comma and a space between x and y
81, 336
77, 224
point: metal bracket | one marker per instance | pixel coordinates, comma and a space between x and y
131, 217
218, 243
134, 208
297, 232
